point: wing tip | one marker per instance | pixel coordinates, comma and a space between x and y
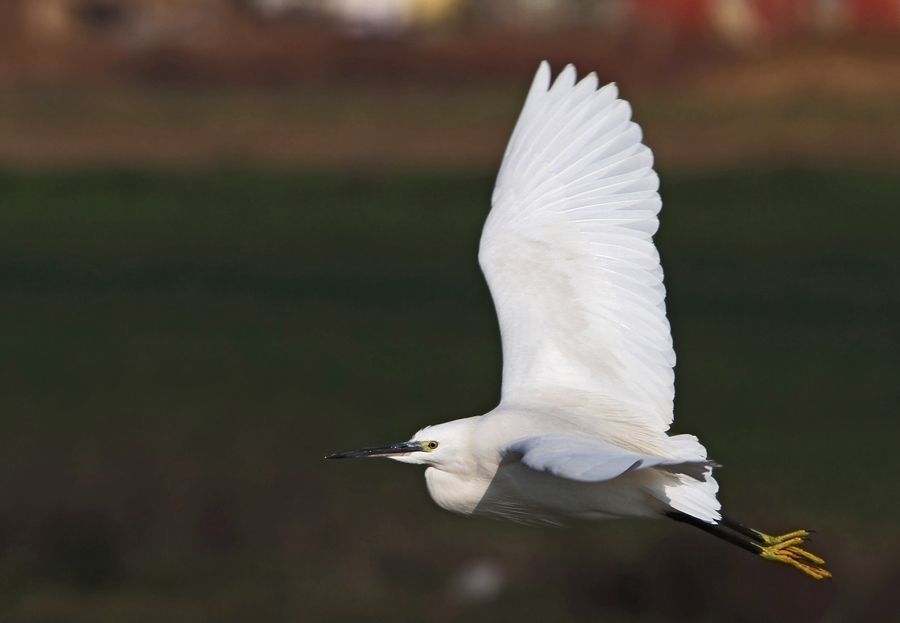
542, 75
566, 78
543, 78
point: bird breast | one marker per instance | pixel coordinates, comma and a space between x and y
454, 492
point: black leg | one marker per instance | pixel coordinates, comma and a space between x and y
740, 528
720, 530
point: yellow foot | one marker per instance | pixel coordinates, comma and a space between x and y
786, 549
768, 539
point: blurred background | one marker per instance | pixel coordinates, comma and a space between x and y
237, 234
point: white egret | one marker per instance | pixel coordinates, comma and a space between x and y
588, 381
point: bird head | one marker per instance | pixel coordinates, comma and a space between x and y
441, 446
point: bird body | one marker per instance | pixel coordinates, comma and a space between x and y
478, 466
588, 363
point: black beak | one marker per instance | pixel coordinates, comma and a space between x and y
404, 447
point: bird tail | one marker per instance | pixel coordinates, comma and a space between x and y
690, 495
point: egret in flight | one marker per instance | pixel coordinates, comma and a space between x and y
588, 383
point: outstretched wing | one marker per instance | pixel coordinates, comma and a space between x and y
588, 459
568, 254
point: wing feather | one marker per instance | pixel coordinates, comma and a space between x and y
568, 253
588, 459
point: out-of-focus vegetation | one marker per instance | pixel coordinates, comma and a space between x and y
181, 348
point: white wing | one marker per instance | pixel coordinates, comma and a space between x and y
588, 459
568, 254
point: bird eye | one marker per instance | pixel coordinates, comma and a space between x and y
431, 445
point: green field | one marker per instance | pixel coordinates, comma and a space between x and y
180, 349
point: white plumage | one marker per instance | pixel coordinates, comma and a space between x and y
568, 254
588, 381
